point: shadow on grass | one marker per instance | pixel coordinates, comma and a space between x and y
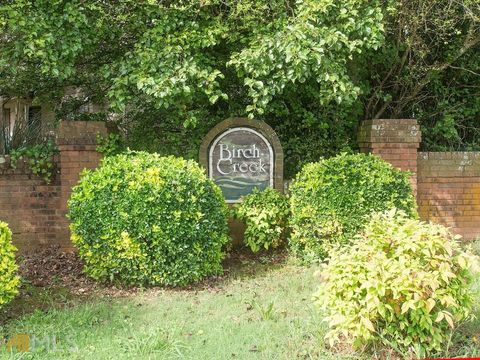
37, 293
33, 298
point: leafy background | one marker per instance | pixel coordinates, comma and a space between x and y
167, 71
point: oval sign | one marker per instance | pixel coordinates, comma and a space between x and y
240, 160
241, 155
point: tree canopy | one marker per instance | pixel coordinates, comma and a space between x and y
313, 69
175, 53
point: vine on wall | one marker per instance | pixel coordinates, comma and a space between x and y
39, 158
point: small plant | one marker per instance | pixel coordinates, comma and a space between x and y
265, 312
158, 342
38, 157
110, 145
142, 219
9, 281
266, 215
403, 283
332, 199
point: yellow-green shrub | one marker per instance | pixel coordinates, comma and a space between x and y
402, 283
332, 199
9, 281
265, 214
144, 219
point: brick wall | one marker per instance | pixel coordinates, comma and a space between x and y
449, 190
77, 144
447, 184
395, 141
30, 207
34, 210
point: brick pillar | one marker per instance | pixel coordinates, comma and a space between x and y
395, 140
77, 142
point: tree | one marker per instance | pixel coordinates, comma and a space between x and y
428, 69
174, 53
169, 70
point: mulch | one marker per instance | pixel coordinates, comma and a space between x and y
50, 267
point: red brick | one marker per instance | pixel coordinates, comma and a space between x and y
36, 211
447, 183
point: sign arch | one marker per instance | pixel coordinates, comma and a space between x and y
240, 154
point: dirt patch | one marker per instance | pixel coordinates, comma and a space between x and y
52, 268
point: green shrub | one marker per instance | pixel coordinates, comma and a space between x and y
403, 283
9, 281
331, 200
144, 219
265, 214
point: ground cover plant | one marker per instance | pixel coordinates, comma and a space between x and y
144, 219
403, 284
332, 199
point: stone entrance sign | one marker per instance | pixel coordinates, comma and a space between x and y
240, 155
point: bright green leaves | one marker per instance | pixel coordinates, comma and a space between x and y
139, 219
9, 281
174, 55
402, 283
47, 34
110, 145
171, 65
332, 199
265, 214
316, 44
39, 159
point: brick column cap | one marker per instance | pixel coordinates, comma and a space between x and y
80, 132
389, 131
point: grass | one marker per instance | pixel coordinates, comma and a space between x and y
260, 311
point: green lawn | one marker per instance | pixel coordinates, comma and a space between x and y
259, 311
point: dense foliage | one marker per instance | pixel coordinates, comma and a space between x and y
167, 71
172, 70
9, 281
144, 219
110, 145
403, 283
265, 214
427, 68
172, 54
331, 200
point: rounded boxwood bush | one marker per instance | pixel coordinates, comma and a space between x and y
331, 200
403, 283
145, 219
9, 281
